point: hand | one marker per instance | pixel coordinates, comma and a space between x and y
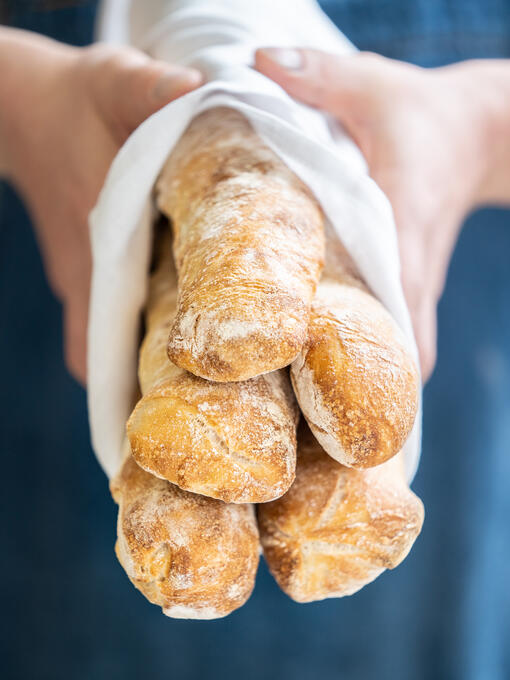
65, 112
424, 134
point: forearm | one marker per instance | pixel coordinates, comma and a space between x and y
28, 64
486, 85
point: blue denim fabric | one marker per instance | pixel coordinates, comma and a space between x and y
68, 609
425, 32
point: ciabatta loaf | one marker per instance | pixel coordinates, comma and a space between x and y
248, 247
337, 528
195, 557
235, 441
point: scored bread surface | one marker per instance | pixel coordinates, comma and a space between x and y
337, 528
195, 557
248, 247
232, 441
355, 379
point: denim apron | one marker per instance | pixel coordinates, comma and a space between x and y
444, 614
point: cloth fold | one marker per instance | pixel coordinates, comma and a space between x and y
219, 37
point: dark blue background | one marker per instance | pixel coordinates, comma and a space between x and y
68, 609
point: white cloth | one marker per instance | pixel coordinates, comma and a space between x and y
219, 37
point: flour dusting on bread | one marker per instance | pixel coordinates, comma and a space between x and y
248, 246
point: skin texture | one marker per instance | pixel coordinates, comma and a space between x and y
436, 141
64, 113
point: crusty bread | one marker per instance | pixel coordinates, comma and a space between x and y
337, 528
355, 379
235, 442
248, 247
196, 557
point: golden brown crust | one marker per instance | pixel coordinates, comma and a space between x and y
195, 557
235, 442
355, 380
248, 246
337, 528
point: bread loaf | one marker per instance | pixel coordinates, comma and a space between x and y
235, 442
337, 528
248, 248
195, 557
355, 379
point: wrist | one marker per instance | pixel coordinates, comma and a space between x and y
485, 85
495, 184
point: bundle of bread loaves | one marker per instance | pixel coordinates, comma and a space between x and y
215, 430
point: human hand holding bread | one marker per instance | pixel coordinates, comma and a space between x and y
248, 247
64, 114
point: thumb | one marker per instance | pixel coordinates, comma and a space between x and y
153, 85
129, 86
337, 84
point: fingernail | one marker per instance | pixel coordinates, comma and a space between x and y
176, 81
285, 57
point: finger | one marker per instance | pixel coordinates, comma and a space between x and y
423, 312
425, 325
152, 86
330, 82
75, 337
418, 287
